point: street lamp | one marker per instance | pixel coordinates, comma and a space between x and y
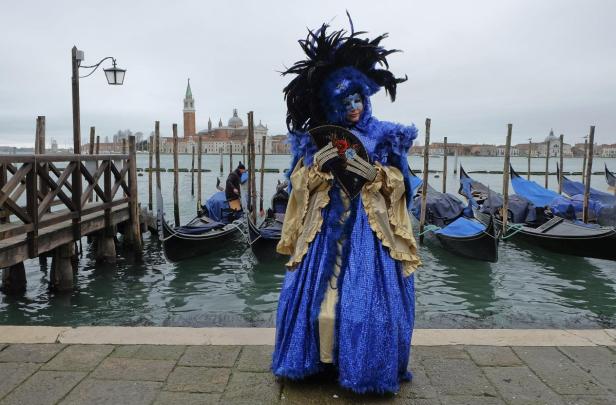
114, 75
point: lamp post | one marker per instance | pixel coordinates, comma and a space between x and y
115, 76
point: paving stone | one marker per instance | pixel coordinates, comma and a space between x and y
314, 391
44, 387
125, 351
419, 387
558, 372
13, 374
600, 362
470, 400
30, 353
493, 356
159, 352
440, 352
186, 398
252, 388
114, 368
255, 358
588, 400
198, 379
457, 377
210, 356
79, 358
519, 385
107, 392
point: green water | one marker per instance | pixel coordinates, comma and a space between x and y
528, 287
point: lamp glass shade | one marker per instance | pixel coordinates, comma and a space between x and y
115, 76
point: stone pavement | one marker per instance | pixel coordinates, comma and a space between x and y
59, 373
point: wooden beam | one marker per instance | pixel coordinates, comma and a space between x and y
176, 197
591, 150
424, 185
505, 213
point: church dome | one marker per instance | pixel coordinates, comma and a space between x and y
552, 138
235, 121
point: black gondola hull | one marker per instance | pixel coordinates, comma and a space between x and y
567, 238
179, 247
482, 246
264, 248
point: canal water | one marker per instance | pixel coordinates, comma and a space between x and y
528, 287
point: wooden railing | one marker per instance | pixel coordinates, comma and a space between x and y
39, 191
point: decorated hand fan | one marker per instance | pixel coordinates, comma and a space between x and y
348, 146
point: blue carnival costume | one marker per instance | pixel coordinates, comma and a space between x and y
348, 297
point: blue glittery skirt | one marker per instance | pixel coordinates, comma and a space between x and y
374, 315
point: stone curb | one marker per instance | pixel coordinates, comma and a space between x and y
265, 336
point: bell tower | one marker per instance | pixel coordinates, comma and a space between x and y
189, 113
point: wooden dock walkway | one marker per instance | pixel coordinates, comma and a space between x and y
48, 202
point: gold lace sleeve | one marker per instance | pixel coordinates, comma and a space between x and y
385, 204
302, 220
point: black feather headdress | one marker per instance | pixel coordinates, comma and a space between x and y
337, 64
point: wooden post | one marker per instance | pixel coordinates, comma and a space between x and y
98, 150
445, 165
591, 143
560, 172
76, 176
135, 227
251, 153
157, 151
262, 175
230, 157
124, 146
150, 158
424, 185
176, 197
530, 149
192, 173
91, 152
39, 149
547, 162
505, 211
455, 160
221, 168
584, 161
199, 147
105, 249
243, 152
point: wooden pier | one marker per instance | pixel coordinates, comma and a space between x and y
46, 206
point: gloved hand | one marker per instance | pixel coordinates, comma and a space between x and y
324, 155
356, 164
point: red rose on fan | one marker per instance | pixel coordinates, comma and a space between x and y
342, 145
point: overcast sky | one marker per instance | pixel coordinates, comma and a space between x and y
473, 66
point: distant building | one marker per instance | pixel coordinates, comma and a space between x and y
189, 113
608, 151
513, 150
483, 150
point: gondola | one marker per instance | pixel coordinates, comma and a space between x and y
265, 236
573, 188
531, 224
201, 236
458, 231
610, 178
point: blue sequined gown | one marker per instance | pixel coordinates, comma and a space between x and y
376, 303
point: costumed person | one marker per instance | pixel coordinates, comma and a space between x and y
232, 187
348, 295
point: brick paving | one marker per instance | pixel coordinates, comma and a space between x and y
151, 374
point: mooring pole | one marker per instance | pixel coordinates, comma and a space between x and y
455, 160
505, 212
150, 158
98, 150
221, 167
251, 153
192, 173
530, 151
230, 157
39, 149
591, 143
243, 152
157, 151
560, 172
135, 223
445, 165
424, 185
547, 162
199, 147
584, 160
262, 175
176, 197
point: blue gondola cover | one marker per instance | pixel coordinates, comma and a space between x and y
462, 227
